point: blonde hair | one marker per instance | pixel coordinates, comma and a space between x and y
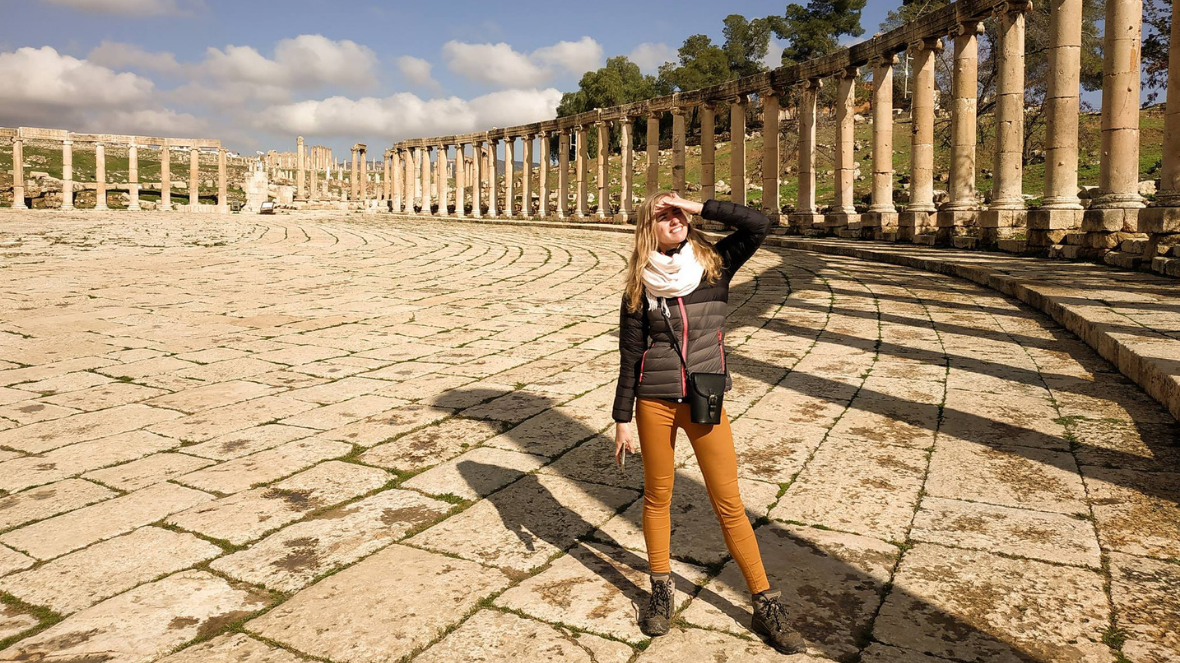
646, 242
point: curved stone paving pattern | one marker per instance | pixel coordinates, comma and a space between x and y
358, 439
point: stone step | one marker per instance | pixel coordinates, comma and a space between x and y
1165, 265
1123, 259
1013, 245
925, 240
965, 242
848, 233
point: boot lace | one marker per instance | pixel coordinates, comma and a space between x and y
773, 614
661, 599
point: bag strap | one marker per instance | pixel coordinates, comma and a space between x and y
672, 332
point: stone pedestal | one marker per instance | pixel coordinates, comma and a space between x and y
874, 225
912, 223
802, 222
996, 224
1047, 227
836, 222
257, 188
954, 223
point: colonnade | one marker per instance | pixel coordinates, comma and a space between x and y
99, 143
1115, 210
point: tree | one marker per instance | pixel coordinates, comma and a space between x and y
816, 29
701, 63
1157, 16
619, 82
746, 44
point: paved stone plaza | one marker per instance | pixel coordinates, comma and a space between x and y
345, 438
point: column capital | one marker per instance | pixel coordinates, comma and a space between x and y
542, 135
709, 104
884, 60
847, 72
968, 27
813, 84
927, 44
678, 110
67, 141
655, 114
739, 99
1012, 7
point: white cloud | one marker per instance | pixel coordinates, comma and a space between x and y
117, 55
406, 115
576, 57
151, 122
44, 85
416, 70
774, 54
501, 65
125, 7
650, 56
305, 61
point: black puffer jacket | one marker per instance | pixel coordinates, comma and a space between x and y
649, 366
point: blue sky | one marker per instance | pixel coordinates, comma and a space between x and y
257, 73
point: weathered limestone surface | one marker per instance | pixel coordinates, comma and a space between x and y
492, 636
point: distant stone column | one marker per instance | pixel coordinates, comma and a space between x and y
353, 179
362, 157
806, 215
460, 180
222, 185
627, 171
882, 215
424, 168
313, 187
604, 210
652, 183
18, 174
708, 151
770, 154
442, 184
1006, 210
1060, 210
737, 149
543, 174
67, 175
678, 129
1164, 215
1116, 207
300, 160
387, 182
493, 179
133, 176
194, 176
166, 177
476, 179
919, 214
509, 176
526, 189
583, 157
563, 174
100, 176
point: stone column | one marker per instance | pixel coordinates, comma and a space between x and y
1006, 211
678, 183
1060, 210
843, 215
882, 216
387, 183
543, 175
563, 174
961, 210
67, 175
313, 188
526, 188
476, 179
300, 158
509, 176
165, 177
653, 153
708, 151
737, 153
100, 176
133, 176
626, 171
460, 181
222, 188
362, 157
354, 182
806, 214
1115, 209
919, 215
771, 168
194, 176
493, 180
1164, 215
441, 180
604, 209
583, 157
424, 168
18, 174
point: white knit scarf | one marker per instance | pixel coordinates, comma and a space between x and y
672, 276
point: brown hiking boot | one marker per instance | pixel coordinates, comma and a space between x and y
658, 616
770, 622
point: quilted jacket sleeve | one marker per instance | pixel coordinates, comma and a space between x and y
751, 228
632, 341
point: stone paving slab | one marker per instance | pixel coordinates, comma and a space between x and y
1146, 594
431, 445
142, 624
453, 477
233, 648
148, 471
491, 636
263, 467
698, 645
75, 459
49, 500
382, 608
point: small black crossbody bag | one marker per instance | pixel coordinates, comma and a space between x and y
706, 391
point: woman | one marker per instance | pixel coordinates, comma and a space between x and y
677, 278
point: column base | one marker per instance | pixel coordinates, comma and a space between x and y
1159, 220
910, 224
837, 221
803, 221
997, 224
873, 225
621, 217
1048, 227
1112, 219
954, 223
